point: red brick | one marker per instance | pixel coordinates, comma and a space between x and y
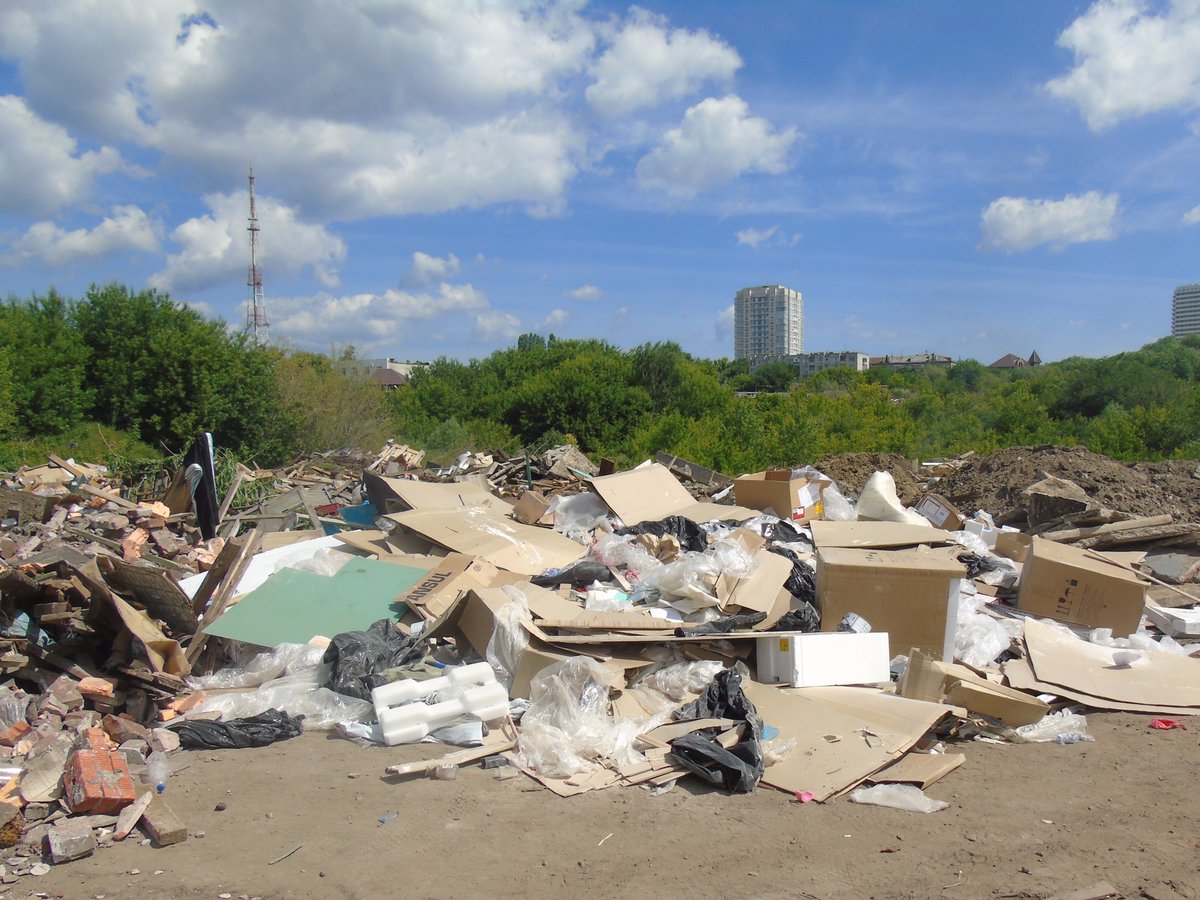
98, 781
11, 735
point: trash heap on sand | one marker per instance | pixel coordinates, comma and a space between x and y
553, 619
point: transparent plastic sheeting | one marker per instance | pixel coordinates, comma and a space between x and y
288, 678
509, 638
907, 797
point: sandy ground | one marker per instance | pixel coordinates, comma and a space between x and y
1024, 821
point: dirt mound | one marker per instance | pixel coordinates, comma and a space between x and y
851, 471
994, 482
1178, 477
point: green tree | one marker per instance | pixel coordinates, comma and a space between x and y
47, 361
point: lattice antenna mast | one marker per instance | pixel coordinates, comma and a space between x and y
256, 309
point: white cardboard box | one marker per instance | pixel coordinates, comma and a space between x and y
820, 659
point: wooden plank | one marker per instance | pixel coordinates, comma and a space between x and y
64, 464
238, 477
1068, 535
220, 568
1139, 535
505, 740
225, 592
107, 495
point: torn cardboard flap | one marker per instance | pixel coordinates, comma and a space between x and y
397, 494
651, 493
929, 679
506, 544
863, 535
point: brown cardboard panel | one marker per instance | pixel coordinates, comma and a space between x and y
1062, 582
910, 594
530, 508
651, 493
794, 499
843, 735
449, 577
430, 495
368, 541
921, 769
758, 591
1019, 674
506, 544
875, 534
941, 682
1157, 679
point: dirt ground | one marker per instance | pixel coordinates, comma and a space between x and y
1027, 821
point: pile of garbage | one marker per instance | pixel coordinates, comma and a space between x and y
553, 619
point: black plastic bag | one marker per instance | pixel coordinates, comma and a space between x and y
237, 734
737, 769
358, 659
578, 574
691, 536
802, 583
804, 618
978, 565
742, 621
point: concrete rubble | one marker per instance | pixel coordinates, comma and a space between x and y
559, 620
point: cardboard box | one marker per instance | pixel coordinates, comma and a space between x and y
910, 594
1062, 582
941, 512
820, 660
797, 499
452, 576
875, 534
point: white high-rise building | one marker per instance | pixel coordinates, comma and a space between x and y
768, 321
1185, 310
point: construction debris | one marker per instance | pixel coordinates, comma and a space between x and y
586, 627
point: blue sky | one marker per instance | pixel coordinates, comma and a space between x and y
436, 177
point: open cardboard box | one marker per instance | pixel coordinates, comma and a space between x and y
797, 499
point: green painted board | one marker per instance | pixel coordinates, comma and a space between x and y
293, 606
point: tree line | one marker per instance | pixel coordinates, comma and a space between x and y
129, 373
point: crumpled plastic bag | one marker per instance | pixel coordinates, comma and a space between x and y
978, 638
1063, 727
688, 584
567, 728
692, 537
577, 514
509, 638
879, 502
624, 552
284, 659
837, 507
737, 769
907, 797
237, 734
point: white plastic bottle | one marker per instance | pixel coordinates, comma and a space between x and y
157, 770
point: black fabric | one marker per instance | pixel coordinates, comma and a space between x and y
723, 626
737, 769
358, 659
237, 734
579, 574
691, 536
805, 618
204, 500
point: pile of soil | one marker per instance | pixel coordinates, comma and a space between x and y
851, 471
994, 482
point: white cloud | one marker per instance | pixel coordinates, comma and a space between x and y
216, 246
1192, 216
1018, 223
428, 268
495, 324
1130, 61
376, 321
753, 237
585, 292
128, 228
725, 322
716, 141
359, 108
647, 64
41, 169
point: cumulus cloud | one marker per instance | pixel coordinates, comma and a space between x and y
1192, 216
724, 322
427, 269
648, 64
494, 325
361, 108
41, 169
379, 320
1130, 61
215, 247
753, 237
585, 292
717, 141
127, 229
556, 318
1018, 223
